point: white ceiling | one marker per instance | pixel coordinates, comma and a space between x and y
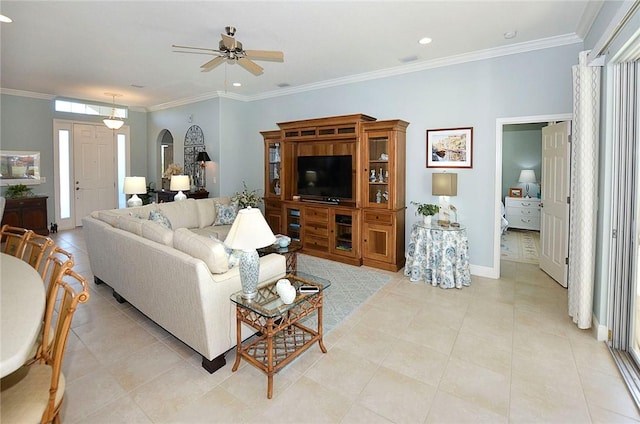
83, 49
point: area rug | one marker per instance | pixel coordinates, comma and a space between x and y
350, 287
520, 246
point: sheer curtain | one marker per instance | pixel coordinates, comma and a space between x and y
584, 181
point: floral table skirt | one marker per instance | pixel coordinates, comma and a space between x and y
438, 256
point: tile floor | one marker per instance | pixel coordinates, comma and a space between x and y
499, 351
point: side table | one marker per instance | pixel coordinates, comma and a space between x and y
290, 253
438, 255
281, 337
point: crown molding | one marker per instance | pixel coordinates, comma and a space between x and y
512, 49
31, 94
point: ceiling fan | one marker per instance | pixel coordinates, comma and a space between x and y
231, 50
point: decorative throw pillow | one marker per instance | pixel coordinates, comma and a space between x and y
233, 256
136, 215
157, 216
226, 214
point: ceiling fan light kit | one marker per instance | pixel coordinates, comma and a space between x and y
231, 50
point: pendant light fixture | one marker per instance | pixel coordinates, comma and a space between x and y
112, 122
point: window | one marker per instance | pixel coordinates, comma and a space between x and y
90, 109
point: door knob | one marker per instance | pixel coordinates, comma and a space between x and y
541, 205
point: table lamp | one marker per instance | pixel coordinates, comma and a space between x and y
249, 232
527, 176
444, 185
202, 158
179, 183
134, 186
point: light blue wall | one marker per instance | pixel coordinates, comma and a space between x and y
206, 115
471, 94
27, 124
521, 149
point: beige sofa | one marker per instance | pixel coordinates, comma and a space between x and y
179, 277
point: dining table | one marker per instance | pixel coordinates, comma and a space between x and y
22, 304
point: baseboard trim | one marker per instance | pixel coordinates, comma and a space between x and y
484, 271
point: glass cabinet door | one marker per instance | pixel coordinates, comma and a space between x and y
273, 170
378, 171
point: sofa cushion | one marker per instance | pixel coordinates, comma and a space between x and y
155, 232
206, 212
182, 214
218, 231
225, 214
130, 224
210, 251
159, 218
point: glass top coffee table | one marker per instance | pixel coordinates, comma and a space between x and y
281, 337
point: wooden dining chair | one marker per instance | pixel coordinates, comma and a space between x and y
56, 263
34, 393
14, 240
36, 247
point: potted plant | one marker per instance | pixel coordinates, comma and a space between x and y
247, 198
18, 190
427, 210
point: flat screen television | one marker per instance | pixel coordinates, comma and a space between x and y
325, 176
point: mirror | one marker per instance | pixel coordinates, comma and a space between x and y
19, 167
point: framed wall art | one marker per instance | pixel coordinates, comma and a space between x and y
515, 192
449, 148
19, 167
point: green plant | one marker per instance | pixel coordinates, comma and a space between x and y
426, 209
18, 190
247, 198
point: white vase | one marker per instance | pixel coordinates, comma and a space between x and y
427, 220
281, 285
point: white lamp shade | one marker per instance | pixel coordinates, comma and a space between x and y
134, 185
249, 231
179, 183
527, 176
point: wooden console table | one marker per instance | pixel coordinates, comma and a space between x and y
27, 212
167, 196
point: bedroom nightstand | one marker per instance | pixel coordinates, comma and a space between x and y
523, 213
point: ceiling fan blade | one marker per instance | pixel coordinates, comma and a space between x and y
228, 42
193, 48
250, 66
273, 56
212, 63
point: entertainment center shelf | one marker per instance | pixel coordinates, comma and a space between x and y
337, 185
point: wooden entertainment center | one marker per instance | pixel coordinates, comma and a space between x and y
366, 229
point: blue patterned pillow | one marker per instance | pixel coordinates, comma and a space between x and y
226, 214
157, 216
233, 256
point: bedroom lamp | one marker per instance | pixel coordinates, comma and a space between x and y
249, 232
179, 183
134, 186
202, 159
444, 185
527, 176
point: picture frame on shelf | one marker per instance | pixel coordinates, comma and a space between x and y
515, 192
450, 148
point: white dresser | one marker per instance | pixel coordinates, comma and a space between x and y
523, 213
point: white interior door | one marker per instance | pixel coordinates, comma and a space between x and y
554, 207
94, 161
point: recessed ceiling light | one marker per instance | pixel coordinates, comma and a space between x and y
425, 40
237, 84
5, 19
510, 34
